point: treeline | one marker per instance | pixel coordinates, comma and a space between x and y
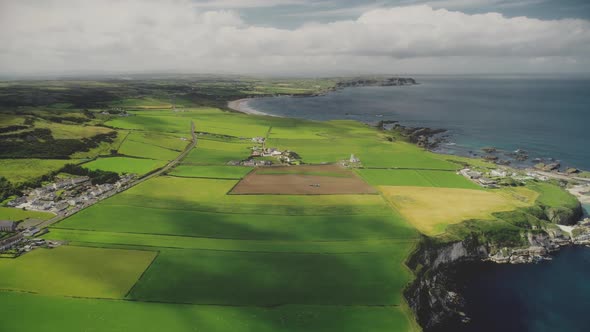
39, 143
97, 176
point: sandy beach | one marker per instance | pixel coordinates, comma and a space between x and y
241, 105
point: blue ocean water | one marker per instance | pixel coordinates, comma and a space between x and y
547, 117
546, 297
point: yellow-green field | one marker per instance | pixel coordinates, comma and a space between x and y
75, 271
7, 213
21, 170
430, 210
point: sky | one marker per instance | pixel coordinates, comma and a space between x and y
294, 37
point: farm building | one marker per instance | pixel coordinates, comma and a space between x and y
7, 226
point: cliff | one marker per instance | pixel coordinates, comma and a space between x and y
435, 297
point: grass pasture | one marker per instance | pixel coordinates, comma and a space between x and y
218, 152
214, 172
7, 213
169, 123
125, 165
134, 316
145, 150
21, 170
210, 195
75, 271
170, 221
430, 210
418, 178
305, 244
259, 278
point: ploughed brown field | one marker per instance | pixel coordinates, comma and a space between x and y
302, 180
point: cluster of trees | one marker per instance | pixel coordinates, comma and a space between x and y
39, 143
7, 189
96, 176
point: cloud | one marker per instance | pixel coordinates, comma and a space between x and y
175, 35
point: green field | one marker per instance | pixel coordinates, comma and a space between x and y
214, 172
123, 165
83, 315
75, 271
14, 214
218, 152
131, 219
152, 146
420, 178
170, 123
21, 170
267, 279
151, 241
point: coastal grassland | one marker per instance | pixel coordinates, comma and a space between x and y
125, 165
431, 210
270, 278
215, 172
218, 152
169, 123
22, 170
155, 241
14, 214
212, 120
75, 271
134, 316
290, 87
552, 195
370, 149
418, 178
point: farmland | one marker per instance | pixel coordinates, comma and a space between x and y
305, 180
214, 172
125, 165
19, 214
418, 178
75, 271
206, 246
430, 210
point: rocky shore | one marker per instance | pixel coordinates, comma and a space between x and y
436, 298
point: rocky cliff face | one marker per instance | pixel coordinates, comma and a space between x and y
435, 298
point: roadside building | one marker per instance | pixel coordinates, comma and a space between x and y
10, 242
7, 226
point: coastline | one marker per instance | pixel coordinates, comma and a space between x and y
241, 105
438, 259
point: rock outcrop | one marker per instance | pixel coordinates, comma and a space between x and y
434, 296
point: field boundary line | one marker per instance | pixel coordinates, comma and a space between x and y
232, 239
142, 274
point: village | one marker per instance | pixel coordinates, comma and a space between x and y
62, 198
262, 156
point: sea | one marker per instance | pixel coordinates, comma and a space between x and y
548, 117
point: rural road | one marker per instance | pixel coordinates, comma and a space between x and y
166, 168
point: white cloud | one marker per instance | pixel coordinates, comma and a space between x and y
110, 35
